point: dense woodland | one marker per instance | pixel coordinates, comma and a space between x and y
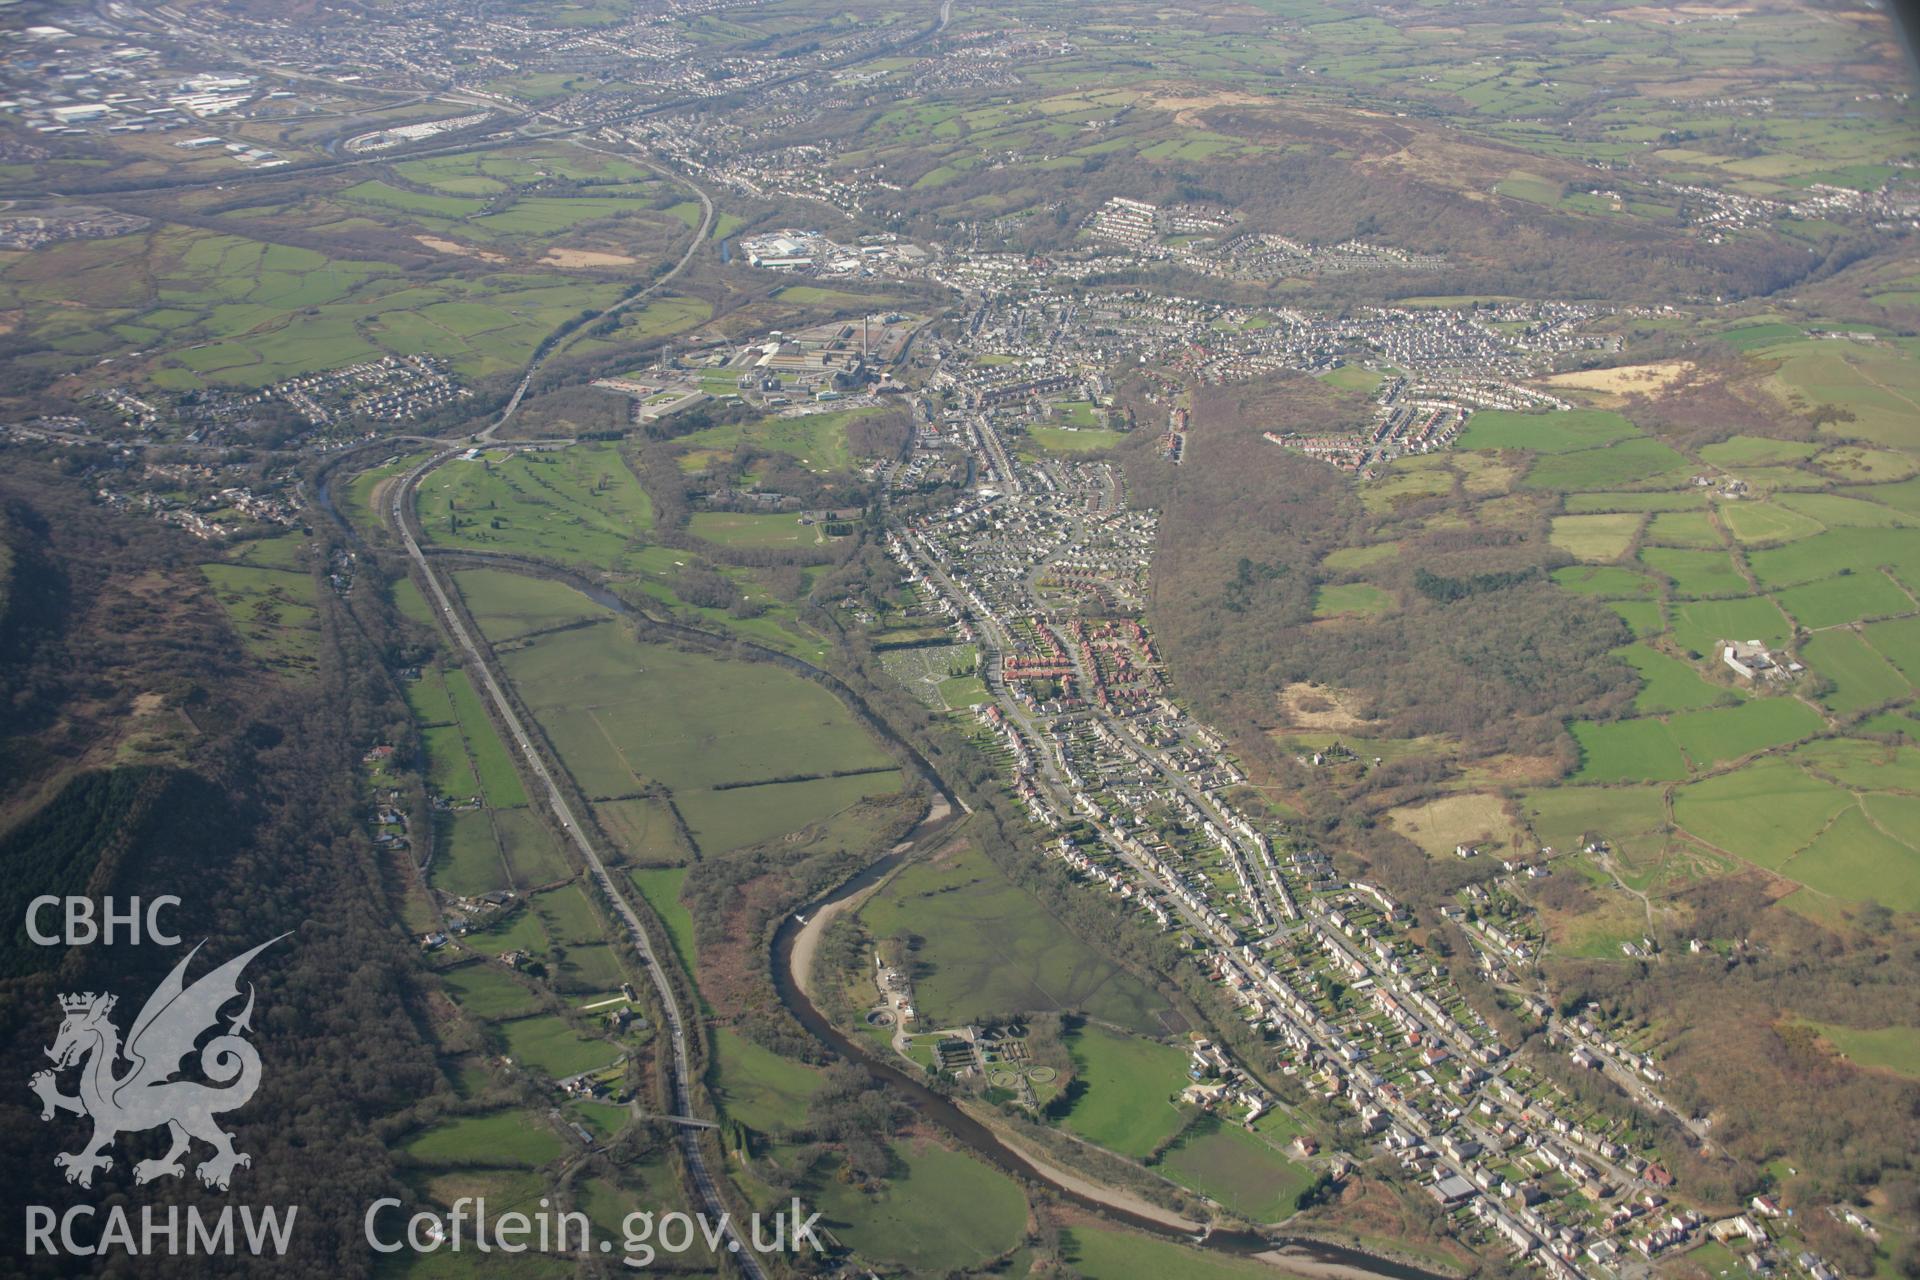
1486, 650
253, 823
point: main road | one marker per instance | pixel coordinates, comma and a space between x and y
558, 342
679, 1095
404, 522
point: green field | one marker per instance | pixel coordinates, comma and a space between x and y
410, 603
1861, 676
467, 861
1353, 378
1670, 684
1726, 733
271, 288
569, 917
1862, 765
1855, 860
1631, 819
360, 505
488, 991
429, 700
643, 828
992, 949
1839, 510
1545, 432
219, 309
1128, 1088
273, 611
1643, 617
939, 1210
509, 605
1878, 387
592, 969
660, 886
624, 714
1699, 626
1077, 413
1899, 643
1659, 501
520, 931
1595, 538
1633, 461
1627, 750
720, 821
1349, 559
814, 295
499, 1138
817, 441
1695, 573
1239, 1169
448, 769
739, 529
759, 1088
548, 1043
532, 850
1683, 529
1816, 605
499, 782
1761, 524
1895, 1049
1763, 813
1756, 451
1350, 598
1608, 582
581, 506
1840, 551
1074, 440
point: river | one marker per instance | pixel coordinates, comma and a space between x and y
1321, 1260
1307, 1257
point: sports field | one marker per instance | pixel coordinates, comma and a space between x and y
1074, 440
746, 529
817, 441
1241, 1170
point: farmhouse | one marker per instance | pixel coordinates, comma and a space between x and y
1750, 659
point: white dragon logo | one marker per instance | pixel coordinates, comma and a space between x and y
146, 1096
